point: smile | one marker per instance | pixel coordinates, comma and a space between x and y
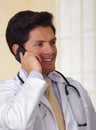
48, 59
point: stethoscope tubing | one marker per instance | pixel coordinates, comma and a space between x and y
68, 84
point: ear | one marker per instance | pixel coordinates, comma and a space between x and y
15, 48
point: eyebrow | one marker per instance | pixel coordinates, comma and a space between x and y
54, 39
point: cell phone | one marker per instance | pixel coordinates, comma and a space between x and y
17, 56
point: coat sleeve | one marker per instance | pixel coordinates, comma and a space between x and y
91, 113
18, 103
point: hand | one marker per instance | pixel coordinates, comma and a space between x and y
30, 61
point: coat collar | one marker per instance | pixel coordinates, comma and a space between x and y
57, 77
54, 76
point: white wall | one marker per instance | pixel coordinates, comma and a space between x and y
76, 32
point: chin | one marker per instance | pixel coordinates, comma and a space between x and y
47, 71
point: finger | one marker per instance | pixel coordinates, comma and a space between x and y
38, 58
21, 55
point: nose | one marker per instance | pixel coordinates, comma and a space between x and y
49, 48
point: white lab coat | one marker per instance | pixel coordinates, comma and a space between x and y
24, 107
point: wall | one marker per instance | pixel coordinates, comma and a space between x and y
8, 65
76, 33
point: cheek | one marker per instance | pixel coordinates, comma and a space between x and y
56, 52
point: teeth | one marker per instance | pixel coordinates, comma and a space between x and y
47, 59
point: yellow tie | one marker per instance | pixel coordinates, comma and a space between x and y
55, 105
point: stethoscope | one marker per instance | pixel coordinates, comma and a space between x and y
74, 102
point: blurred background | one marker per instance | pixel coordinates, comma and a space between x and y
75, 21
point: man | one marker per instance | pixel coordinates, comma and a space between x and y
25, 101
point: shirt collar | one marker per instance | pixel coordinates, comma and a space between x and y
56, 77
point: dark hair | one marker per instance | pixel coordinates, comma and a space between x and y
20, 25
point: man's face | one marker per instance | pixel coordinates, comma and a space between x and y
42, 42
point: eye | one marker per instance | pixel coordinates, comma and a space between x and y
39, 44
53, 42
